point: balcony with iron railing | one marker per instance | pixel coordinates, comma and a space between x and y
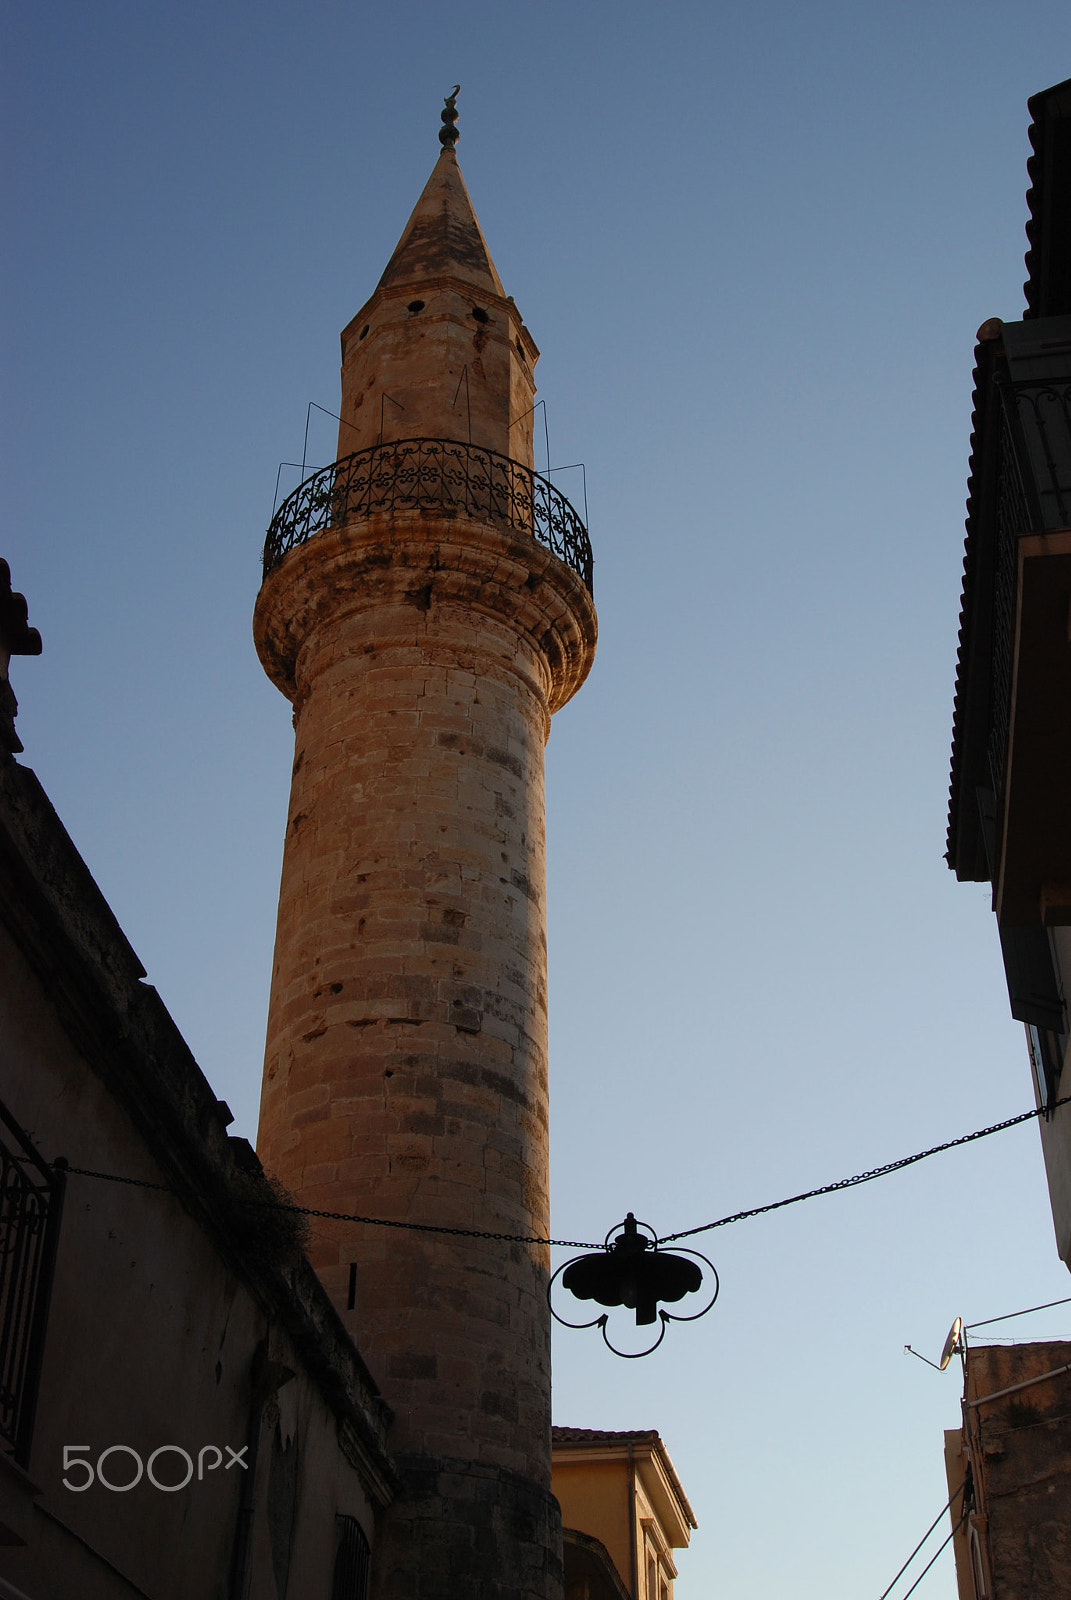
440, 476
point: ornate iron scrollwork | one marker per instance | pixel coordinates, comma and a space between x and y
632, 1271
432, 475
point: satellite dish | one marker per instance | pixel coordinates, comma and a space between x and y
953, 1343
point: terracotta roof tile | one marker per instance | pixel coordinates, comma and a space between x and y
603, 1436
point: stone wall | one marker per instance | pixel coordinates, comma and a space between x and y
406, 1071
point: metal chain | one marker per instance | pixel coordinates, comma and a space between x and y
431, 1227
350, 1216
874, 1172
582, 1244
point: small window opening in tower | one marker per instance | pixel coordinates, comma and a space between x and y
414, 306
363, 331
520, 351
480, 314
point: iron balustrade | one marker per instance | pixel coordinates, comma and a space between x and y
353, 1559
31, 1198
437, 475
1042, 411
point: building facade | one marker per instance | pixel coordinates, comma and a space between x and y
182, 1411
1009, 1466
1009, 1473
624, 1512
1010, 797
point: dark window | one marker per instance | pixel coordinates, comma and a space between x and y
352, 1560
1044, 1048
31, 1200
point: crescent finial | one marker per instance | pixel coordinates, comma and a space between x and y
448, 134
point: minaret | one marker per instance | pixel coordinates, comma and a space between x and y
416, 614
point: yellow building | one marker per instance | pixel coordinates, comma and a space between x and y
624, 1512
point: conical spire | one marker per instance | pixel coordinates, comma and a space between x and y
439, 351
442, 237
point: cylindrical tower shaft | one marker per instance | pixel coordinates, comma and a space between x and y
424, 650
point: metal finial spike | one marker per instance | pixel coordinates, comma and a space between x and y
448, 134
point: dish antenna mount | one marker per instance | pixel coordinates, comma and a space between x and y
954, 1345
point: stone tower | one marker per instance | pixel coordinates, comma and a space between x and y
426, 607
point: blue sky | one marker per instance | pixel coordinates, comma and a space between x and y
754, 245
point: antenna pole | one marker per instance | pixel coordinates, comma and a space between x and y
908, 1351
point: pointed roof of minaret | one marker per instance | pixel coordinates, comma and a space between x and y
442, 238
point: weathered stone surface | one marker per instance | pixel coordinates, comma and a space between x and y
406, 1065
440, 349
406, 1072
1015, 1451
459, 1528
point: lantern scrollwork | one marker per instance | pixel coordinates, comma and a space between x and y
632, 1271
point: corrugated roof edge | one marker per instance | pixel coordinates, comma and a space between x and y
1045, 109
603, 1436
963, 856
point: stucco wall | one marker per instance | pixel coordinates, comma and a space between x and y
155, 1336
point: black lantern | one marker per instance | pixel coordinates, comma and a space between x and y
632, 1271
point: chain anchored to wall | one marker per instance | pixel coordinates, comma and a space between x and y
619, 1267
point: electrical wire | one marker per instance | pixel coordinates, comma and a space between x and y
580, 1244
345, 1216
933, 1558
874, 1172
886, 1592
1007, 1317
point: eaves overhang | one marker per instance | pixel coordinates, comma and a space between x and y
982, 684
657, 1472
1009, 791
970, 779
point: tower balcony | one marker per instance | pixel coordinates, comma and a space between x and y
443, 477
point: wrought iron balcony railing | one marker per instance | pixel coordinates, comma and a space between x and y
432, 475
31, 1197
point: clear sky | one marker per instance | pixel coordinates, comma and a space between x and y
753, 244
